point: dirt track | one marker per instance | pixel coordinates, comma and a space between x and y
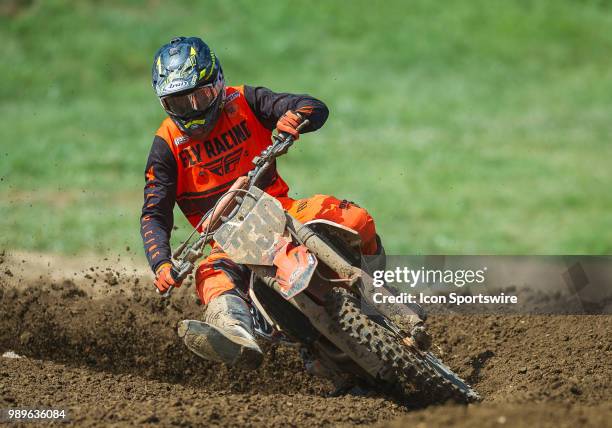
99, 342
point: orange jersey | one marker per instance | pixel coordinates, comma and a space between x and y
208, 167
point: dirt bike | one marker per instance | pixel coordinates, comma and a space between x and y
307, 287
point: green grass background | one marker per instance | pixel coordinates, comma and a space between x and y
463, 126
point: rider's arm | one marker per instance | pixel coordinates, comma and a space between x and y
157, 219
269, 106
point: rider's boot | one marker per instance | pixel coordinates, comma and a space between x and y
226, 335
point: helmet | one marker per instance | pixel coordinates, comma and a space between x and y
188, 80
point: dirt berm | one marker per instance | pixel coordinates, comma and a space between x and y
96, 340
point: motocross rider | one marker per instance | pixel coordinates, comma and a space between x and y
211, 134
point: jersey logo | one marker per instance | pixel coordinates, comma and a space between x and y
226, 164
224, 143
231, 97
181, 140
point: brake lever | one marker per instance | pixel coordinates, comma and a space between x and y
167, 293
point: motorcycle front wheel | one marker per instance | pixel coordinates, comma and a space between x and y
419, 374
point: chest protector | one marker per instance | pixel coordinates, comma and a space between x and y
207, 167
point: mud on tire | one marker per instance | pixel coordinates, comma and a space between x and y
412, 369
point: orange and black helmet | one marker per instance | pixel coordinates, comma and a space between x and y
188, 80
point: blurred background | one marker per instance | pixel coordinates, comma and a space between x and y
465, 127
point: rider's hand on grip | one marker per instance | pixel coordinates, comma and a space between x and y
289, 123
164, 278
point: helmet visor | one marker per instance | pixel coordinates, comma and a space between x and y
196, 101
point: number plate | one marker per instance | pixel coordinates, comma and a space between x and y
255, 232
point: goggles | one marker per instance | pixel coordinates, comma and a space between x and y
198, 100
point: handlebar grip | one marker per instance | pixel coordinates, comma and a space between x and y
174, 273
167, 293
